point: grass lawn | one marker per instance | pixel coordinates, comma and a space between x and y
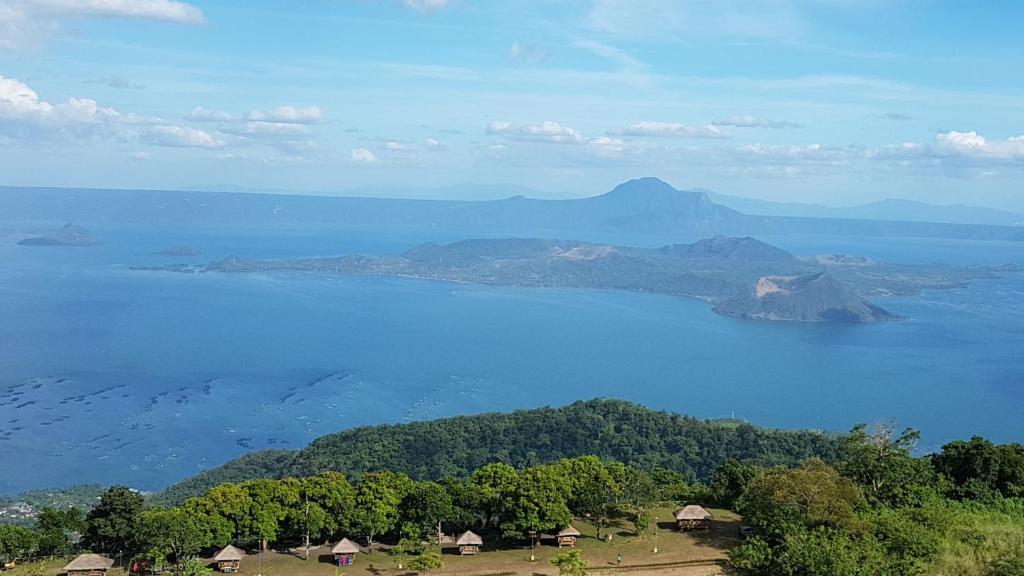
696, 553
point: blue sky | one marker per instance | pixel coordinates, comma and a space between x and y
828, 101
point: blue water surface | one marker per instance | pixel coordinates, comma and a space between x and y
118, 376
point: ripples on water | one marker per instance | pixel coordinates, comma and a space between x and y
110, 375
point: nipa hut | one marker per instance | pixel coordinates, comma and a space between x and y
469, 543
567, 537
228, 559
89, 565
345, 552
692, 516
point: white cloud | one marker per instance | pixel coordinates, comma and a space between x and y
140, 155
363, 156
546, 131
615, 55
671, 20
671, 130
200, 114
21, 104
427, 5
25, 24
118, 82
742, 121
164, 10
181, 136
973, 144
266, 129
528, 53
289, 114
606, 147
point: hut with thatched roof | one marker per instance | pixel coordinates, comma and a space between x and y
692, 516
469, 543
345, 552
228, 559
567, 537
89, 565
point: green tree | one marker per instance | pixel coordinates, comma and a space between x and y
171, 533
493, 482
57, 528
536, 504
570, 563
228, 508
324, 509
880, 461
111, 525
424, 563
427, 505
376, 505
812, 495
16, 542
593, 491
638, 494
271, 502
730, 480
466, 508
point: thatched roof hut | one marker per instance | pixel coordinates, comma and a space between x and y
469, 542
345, 552
89, 565
345, 546
229, 552
229, 558
567, 536
692, 516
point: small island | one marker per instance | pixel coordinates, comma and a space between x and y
740, 277
183, 250
69, 235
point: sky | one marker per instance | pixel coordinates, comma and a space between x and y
836, 102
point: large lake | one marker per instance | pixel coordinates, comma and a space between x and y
111, 375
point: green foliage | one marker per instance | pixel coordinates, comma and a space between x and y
570, 563
193, 567
426, 505
537, 503
609, 429
730, 480
56, 528
492, 483
980, 470
810, 496
592, 490
880, 461
111, 525
426, 562
637, 494
377, 498
174, 534
16, 542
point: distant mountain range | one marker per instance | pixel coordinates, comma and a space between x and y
891, 209
646, 206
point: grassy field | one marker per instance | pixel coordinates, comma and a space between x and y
697, 553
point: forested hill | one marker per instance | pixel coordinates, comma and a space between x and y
613, 429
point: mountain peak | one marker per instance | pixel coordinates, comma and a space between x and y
645, 185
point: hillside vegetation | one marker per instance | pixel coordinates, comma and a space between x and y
609, 429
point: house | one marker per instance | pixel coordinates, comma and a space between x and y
567, 537
345, 552
691, 517
228, 559
89, 565
469, 543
